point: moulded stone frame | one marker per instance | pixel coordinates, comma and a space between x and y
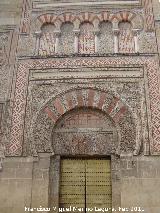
50, 107
19, 97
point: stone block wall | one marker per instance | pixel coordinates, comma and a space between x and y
16, 184
140, 184
25, 182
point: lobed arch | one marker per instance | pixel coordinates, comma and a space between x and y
127, 16
129, 139
95, 19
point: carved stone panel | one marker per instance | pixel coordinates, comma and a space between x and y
86, 39
66, 43
106, 38
84, 131
126, 38
47, 40
119, 92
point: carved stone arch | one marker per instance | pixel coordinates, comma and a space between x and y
114, 20
96, 23
43, 19
127, 28
89, 17
104, 16
47, 39
58, 24
84, 130
47, 18
128, 16
125, 16
65, 18
126, 37
105, 101
76, 23
107, 20
84, 17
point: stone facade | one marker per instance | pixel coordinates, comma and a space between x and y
79, 78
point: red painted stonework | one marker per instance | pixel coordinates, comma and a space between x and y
51, 114
79, 98
59, 106
91, 97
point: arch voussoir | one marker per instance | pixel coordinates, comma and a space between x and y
76, 99
91, 98
51, 114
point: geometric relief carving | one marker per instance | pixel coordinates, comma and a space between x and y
106, 38
47, 40
2, 144
150, 67
149, 18
25, 28
126, 38
18, 112
154, 80
1, 111
5, 44
3, 48
86, 39
66, 40
84, 131
147, 42
119, 119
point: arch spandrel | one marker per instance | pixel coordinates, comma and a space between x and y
120, 114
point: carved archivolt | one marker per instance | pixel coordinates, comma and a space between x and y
124, 120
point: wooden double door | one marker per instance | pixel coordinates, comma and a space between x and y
85, 184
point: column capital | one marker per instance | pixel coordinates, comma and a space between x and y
57, 33
116, 32
135, 31
76, 32
38, 34
96, 32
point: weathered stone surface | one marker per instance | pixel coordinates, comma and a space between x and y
79, 78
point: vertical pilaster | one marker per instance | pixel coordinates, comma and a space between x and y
135, 34
38, 36
116, 42
76, 36
57, 35
96, 33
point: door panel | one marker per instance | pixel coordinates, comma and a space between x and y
72, 184
98, 183
85, 183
